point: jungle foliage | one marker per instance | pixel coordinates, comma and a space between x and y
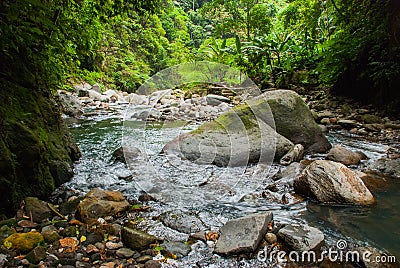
343, 44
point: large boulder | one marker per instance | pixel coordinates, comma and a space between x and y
98, 203
246, 133
293, 119
340, 154
236, 138
330, 182
243, 235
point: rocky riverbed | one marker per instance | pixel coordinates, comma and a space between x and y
119, 226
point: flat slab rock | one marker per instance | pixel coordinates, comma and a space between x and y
301, 237
243, 235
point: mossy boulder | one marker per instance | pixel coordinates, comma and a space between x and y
238, 137
292, 119
23, 242
36, 148
246, 134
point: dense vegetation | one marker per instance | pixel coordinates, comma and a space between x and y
346, 44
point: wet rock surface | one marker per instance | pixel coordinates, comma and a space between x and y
99, 203
301, 237
340, 154
98, 243
243, 235
386, 167
333, 183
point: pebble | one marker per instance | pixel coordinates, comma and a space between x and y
113, 245
143, 259
125, 253
271, 238
152, 264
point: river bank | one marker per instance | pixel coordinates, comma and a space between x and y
99, 127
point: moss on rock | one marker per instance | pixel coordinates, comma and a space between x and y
36, 148
23, 242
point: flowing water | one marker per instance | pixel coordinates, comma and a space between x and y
216, 194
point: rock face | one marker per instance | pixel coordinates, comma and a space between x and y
301, 237
235, 138
135, 239
295, 121
98, 203
340, 154
330, 182
36, 148
242, 235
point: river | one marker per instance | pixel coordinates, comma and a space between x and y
101, 132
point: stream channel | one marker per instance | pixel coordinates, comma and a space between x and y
99, 134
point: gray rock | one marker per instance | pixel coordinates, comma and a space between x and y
330, 182
114, 245
293, 119
235, 138
145, 114
152, 264
126, 154
96, 88
301, 237
136, 240
136, 99
181, 221
386, 167
36, 255
70, 104
294, 155
242, 235
216, 100
39, 209
177, 248
340, 154
94, 95
125, 253
50, 234
158, 95
144, 258
348, 124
